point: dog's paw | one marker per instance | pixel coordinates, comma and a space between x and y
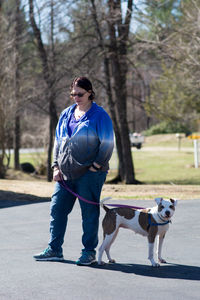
111, 261
162, 261
155, 265
101, 263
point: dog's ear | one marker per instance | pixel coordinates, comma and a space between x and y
174, 202
158, 200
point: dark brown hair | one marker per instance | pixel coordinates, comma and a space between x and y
84, 83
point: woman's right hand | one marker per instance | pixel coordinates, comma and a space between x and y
56, 174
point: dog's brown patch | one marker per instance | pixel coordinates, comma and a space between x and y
160, 207
126, 212
173, 204
109, 222
172, 200
143, 220
152, 233
144, 223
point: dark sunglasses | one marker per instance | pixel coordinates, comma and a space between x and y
78, 94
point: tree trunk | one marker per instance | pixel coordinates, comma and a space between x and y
52, 125
118, 33
17, 135
2, 145
17, 129
2, 128
120, 84
111, 103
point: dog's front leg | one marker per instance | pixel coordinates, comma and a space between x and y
159, 248
151, 240
151, 255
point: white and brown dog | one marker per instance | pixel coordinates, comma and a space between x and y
150, 222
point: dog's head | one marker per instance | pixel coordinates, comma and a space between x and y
166, 208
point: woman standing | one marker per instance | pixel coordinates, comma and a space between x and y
82, 150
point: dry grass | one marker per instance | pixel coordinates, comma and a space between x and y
19, 184
119, 191
146, 192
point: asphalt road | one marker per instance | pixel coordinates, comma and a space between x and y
24, 231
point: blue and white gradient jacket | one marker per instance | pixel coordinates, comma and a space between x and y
91, 141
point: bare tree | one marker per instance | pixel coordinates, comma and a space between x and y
109, 91
17, 131
2, 149
114, 51
2, 123
5, 95
48, 75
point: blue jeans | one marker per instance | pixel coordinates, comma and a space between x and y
88, 186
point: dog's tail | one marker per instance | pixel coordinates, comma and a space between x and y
102, 203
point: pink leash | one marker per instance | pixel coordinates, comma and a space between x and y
64, 185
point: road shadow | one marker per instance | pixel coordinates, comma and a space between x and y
169, 271
9, 199
172, 271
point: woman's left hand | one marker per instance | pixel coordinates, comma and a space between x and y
92, 169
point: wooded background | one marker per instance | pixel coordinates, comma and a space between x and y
142, 57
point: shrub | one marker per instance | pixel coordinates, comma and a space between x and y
167, 127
